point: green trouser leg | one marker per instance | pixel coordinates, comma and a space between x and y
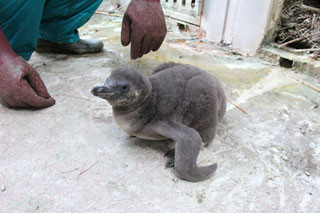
20, 21
62, 18
54, 20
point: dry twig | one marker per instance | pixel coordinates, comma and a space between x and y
109, 14
295, 40
238, 107
84, 171
307, 84
70, 170
313, 9
306, 50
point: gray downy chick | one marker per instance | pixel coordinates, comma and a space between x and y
178, 102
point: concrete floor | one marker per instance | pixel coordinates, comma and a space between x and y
72, 157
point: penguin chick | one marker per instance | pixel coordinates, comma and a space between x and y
178, 102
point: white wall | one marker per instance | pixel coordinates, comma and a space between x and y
251, 24
213, 19
241, 23
230, 21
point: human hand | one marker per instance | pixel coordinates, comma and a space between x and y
21, 86
144, 26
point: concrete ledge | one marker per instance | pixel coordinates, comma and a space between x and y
301, 62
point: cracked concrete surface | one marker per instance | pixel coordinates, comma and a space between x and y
72, 157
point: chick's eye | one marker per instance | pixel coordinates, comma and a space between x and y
125, 88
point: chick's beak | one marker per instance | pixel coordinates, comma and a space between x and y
102, 91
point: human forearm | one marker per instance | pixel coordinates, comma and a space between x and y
6, 52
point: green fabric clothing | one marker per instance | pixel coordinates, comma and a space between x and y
24, 21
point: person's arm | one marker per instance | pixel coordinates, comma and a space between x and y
143, 26
20, 84
6, 52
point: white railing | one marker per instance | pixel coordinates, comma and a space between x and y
188, 11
